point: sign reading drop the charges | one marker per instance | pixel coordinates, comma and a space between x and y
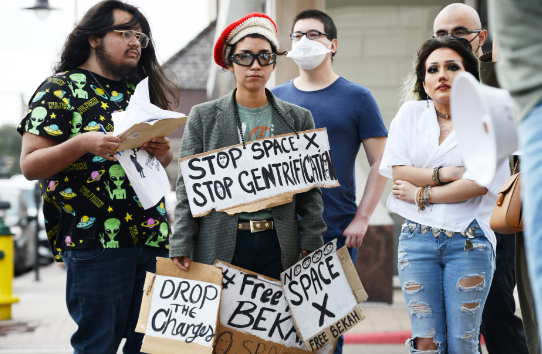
179, 310
184, 309
323, 292
268, 172
254, 316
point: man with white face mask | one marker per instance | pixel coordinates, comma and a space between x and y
351, 116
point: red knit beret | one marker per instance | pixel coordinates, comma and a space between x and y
252, 23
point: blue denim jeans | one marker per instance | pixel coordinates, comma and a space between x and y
445, 286
353, 253
103, 293
530, 141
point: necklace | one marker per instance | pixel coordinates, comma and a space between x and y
98, 82
270, 99
443, 115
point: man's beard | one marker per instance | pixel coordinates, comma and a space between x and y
110, 69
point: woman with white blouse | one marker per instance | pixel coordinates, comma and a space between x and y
446, 252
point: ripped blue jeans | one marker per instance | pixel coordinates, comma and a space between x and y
445, 277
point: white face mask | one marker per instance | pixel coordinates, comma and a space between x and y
308, 54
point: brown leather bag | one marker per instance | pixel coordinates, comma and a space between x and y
507, 217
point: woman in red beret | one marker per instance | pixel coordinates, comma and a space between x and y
248, 48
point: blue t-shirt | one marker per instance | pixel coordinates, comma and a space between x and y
350, 114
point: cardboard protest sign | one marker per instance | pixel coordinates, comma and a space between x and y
140, 133
254, 316
268, 172
179, 310
323, 291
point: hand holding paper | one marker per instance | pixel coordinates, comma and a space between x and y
158, 147
142, 121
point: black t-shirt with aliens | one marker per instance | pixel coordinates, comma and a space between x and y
90, 203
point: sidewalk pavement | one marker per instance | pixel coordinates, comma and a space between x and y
41, 324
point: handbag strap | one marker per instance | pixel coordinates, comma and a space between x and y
516, 168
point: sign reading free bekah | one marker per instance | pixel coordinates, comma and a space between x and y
254, 316
266, 173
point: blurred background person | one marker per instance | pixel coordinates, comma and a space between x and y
518, 27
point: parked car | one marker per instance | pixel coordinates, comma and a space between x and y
22, 226
30, 190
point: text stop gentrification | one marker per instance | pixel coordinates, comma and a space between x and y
262, 174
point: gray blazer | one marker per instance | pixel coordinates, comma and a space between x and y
212, 125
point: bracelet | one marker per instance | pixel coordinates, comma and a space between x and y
423, 198
426, 196
435, 176
416, 195
438, 176
421, 203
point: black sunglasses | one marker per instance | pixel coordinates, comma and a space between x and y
246, 59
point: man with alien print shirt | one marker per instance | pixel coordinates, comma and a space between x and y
93, 218
90, 203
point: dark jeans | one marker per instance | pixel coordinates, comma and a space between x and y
259, 252
502, 329
353, 253
103, 293
525, 295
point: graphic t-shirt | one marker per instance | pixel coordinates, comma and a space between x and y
350, 114
90, 203
257, 123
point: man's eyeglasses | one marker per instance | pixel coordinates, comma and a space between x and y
130, 36
458, 33
246, 59
312, 35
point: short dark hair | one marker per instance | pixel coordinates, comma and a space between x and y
97, 22
329, 26
470, 61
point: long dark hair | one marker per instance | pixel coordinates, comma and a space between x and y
470, 62
97, 22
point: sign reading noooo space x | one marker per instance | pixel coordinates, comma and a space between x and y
268, 172
323, 292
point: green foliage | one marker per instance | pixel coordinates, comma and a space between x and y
10, 150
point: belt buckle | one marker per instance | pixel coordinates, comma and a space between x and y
257, 224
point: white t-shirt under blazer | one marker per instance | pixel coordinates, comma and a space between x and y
413, 140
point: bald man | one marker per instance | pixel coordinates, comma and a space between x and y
460, 20
503, 331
